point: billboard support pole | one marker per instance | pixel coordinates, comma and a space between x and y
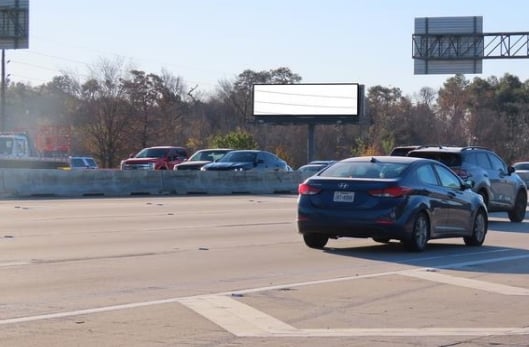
310, 142
3, 94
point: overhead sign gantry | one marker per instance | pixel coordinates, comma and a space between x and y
451, 45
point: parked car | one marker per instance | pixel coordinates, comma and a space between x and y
155, 158
248, 160
201, 158
522, 169
314, 167
402, 150
501, 188
81, 163
389, 198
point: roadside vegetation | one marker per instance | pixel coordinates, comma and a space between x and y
119, 110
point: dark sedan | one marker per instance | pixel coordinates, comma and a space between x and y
201, 158
388, 198
248, 160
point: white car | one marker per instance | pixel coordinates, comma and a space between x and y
80, 163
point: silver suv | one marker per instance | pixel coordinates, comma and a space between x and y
500, 187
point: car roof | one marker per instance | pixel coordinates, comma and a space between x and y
165, 147
319, 162
386, 159
214, 149
448, 149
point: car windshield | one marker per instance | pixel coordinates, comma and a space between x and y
239, 157
152, 153
91, 162
208, 155
521, 166
365, 169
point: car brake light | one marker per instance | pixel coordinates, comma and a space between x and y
307, 189
390, 192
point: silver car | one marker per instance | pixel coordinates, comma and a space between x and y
522, 169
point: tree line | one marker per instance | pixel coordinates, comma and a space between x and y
118, 110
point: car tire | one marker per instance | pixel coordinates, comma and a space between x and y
517, 214
420, 234
314, 240
479, 230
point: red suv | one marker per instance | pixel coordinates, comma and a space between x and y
155, 158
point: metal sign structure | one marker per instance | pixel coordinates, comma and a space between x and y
451, 45
14, 24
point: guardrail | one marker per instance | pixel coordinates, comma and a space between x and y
19, 183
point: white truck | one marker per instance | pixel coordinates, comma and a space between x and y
17, 152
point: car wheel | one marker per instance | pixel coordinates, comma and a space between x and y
479, 230
517, 214
314, 240
419, 235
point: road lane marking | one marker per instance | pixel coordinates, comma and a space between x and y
15, 263
435, 276
236, 317
243, 320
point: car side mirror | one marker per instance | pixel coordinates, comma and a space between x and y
511, 169
468, 184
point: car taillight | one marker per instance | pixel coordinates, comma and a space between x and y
390, 192
307, 189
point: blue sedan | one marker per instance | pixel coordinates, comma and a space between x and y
389, 198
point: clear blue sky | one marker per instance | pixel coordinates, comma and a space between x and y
204, 41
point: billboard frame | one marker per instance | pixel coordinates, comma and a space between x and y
296, 119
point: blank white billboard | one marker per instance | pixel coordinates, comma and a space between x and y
317, 100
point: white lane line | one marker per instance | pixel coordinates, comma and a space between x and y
220, 308
435, 276
15, 263
244, 321
414, 332
87, 311
237, 317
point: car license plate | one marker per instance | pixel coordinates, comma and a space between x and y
344, 196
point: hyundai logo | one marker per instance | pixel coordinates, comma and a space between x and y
343, 185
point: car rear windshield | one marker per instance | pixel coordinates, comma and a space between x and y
361, 169
449, 159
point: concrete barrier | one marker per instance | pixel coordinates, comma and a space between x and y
16, 183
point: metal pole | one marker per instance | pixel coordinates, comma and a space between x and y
3, 94
310, 143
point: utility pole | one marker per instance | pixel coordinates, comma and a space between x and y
3, 94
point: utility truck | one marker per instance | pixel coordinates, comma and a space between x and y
18, 152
